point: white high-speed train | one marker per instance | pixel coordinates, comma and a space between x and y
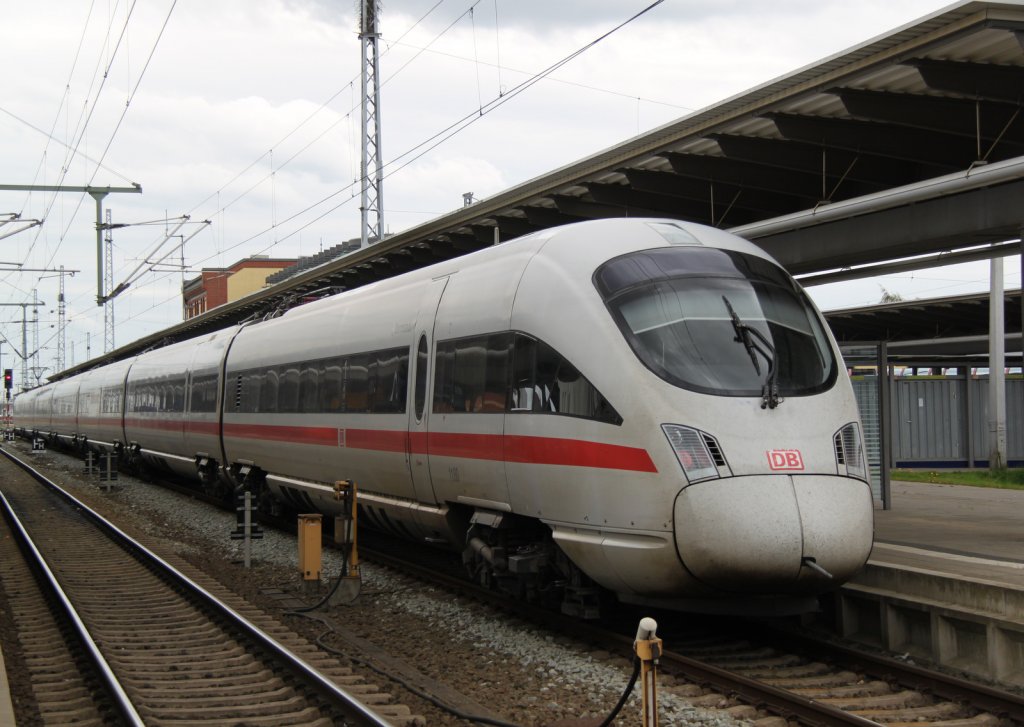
649, 406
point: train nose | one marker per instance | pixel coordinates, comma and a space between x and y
752, 534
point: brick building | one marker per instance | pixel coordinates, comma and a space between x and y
216, 286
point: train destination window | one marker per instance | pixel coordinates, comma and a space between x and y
678, 309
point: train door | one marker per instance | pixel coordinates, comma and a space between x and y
419, 413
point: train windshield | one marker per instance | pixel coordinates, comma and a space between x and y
718, 321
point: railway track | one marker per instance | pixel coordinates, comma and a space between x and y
165, 648
780, 676
770, 677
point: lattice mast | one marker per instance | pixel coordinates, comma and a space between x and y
61, 321
372, 187
108, 286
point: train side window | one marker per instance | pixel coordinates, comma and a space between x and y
288, 389
494, 397
468, 374
204, 394
250, 392
420, 393
390, 382
331, 391
444, 371
472, 374
178, 388
111, 401
546, 382
268, 391
309, 381
357, 384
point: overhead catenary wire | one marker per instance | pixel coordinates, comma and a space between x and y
124, 112
408, 157
424, 147
73, 150
354, 106
80, 132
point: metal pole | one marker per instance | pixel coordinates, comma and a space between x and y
247, 539
648, 648
61, 322
24, 346
885, 425
108, 286
997, 364
98, 196
36, 370
371, 192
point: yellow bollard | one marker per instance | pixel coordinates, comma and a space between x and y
648, 649
310, 546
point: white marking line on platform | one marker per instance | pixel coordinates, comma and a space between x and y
949, 556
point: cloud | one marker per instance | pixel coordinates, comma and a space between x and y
225, 98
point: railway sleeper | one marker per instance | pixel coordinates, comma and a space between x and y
865, 689
941, 713
904, 700
978, 720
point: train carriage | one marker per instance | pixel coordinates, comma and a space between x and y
650, 406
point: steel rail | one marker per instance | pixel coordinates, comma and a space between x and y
49, 582
999, 702
351, 707
804, 710
778, 701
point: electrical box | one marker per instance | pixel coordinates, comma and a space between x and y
310, 546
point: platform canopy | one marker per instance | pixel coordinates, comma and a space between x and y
910, 143
945, 331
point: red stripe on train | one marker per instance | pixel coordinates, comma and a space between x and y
494, 447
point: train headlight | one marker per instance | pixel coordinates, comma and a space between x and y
698, 453
850, 452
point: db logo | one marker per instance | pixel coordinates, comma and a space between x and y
785, 459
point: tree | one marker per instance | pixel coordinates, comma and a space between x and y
889, 297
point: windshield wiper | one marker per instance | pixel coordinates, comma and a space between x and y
746, 335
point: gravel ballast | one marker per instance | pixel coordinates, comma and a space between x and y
521, 673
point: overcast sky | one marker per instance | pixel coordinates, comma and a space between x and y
245, 113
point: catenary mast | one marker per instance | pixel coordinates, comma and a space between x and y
372, 189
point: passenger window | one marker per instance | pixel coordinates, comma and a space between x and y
268, 392
389, 384
357, 390
288, 390
546, 382
309, 389
472, 374
331, 387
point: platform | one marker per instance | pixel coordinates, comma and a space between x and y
945, 580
